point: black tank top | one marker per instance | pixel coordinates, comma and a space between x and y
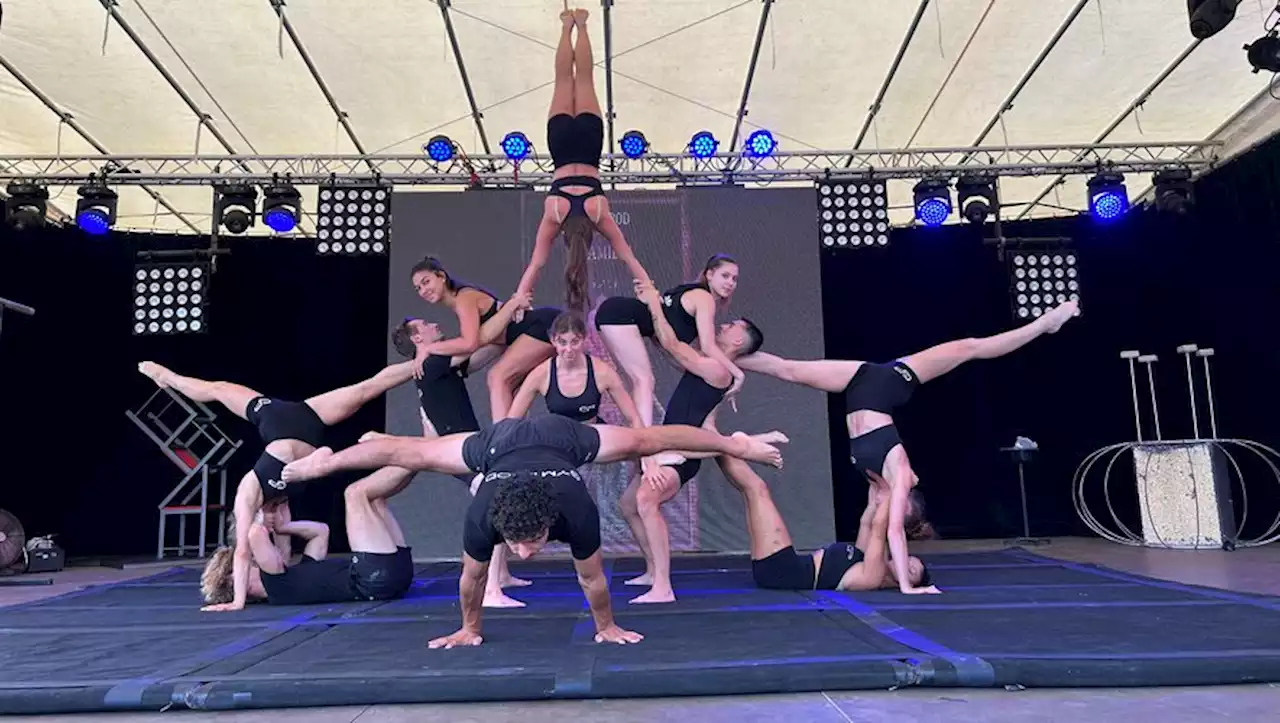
311, 582
682, 322
692, 400
493, 308
585, 406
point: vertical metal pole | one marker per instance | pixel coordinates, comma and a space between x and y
608, 77
1151, 381
1133, 385
1208, 383
1022, 484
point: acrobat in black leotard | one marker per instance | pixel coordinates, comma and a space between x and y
629, 311
278, 419
691, 403
583, 408
878, 388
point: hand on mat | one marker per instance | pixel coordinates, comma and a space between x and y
615, 634
461, 638
223, 607
931, 590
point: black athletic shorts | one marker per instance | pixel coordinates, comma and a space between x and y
575, 139
278, 419
382, 576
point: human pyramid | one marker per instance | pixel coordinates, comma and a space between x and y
523, 473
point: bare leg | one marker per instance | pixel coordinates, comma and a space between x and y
584, 87
764, 523
420, 455
649, 502
339, 404
628, 350
938, 360
503, 377
232, 396
619, 443
367, 530
631, 513
827, 375
494, 597
393, 525
562, 95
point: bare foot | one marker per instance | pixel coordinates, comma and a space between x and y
1059, 315
511, 581
155, 373
760, 452
774, 437
308, 467
371, 436
580, 17
497, 599
654, 597
645, 580
566, 17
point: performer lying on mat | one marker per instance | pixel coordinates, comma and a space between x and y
775, 564
873, 392
446, 409
532, 492
697, 394
576, 205
527, 342
380, 566
572, 382
690, 309
289, 431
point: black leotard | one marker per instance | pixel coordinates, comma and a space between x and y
582, 408
278, 419
627, 311
879, 388
691, 403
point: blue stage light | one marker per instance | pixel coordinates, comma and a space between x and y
281, 207
760, 144
96, 209
93, 221
703, 145
634, 144
932, 201
439, 149
516, 145
1108, 197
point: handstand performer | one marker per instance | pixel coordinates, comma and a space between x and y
873, 392
532, 492
380, 566
289, 431
698, 393
576, 205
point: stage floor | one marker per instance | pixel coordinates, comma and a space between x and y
1008, 618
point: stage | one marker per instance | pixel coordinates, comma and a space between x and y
1008, 618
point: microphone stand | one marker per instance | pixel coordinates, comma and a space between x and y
1021, 452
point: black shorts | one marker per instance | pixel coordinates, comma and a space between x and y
575, 139
382, 576
623, 311
547, 442
869, 451
880, 387
269, 472
277, 419
536, 323
785, 569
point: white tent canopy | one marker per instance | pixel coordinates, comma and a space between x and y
1115, 71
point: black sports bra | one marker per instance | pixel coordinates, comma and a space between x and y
584, 407
577, 202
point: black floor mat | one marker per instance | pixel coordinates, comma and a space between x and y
1006, 618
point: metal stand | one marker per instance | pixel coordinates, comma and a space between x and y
1022, 455
188, 434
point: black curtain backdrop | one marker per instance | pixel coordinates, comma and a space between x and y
292, 325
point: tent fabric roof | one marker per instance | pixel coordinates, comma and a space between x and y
679, 66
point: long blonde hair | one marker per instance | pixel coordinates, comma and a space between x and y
215, 582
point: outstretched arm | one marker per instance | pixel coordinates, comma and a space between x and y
546, 234
468, 338
868, 515
870, 572
496, 327
610, 383
704, 307
613, 234
711, 371
595, 586
245, 508
534, 383
471, 595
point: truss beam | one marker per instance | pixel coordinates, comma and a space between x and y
609, 115
751, 74
476, 115
793, 166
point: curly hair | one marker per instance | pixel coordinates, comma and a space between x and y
215, 581
524, 507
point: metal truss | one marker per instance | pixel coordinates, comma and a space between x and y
499, 171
